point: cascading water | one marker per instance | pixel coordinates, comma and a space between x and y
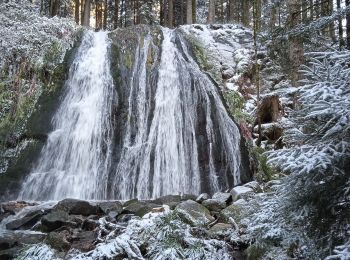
75, 160
175, 137
174, 151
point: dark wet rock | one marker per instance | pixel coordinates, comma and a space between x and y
140, 208
111, 206
125, 217
4, 215
216, 26
171, 200
77, 207
214, 204
202, 197
89, 224
58, 240
185, 197
11, 253
168, 199
198, 27
54, 220
223, 197
14, 207
84, 241
194, 213
11, 239
26, 222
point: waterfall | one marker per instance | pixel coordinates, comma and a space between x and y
75, 160
176, 135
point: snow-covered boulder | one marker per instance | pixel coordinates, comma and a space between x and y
194, 213
223, 197
239, 191
253, 185
202, 197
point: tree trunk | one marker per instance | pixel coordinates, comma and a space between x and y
347, 3
211, 12
231, 10
105, 14
194, 8
311, 7
304, 11
245, 12
116, 13
340, 27
331, 26
86, 21
170, 13
82, 5
54, 7
76, 11
189, 17
296, 46
273, 19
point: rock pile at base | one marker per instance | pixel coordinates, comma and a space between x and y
73, 224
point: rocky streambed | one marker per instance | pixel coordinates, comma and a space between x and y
175, 225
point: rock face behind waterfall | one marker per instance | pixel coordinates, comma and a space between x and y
178, 136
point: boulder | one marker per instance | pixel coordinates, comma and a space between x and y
239, 191
139, 208
168, 199
185, 197
84, 241
214, 204
54, 220
225, 197
236, 211
254, 185
58, 240
11, 239
111, 206
128, 202
26, 222
14, 207
77, 207
90, 224
220, 229
202, 197
194, 213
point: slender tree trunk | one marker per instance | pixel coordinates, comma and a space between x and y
211, 12
340, 27
273, 19
304, 7
311, 9
258, 14
171, 13
76, 11
347, 3
189, 17
194, 8
105, 14
296, 46
116, 13
256, 25
82, 5
245, 12
87, 6
331, 25
161, 12
231, 10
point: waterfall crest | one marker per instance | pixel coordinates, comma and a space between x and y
171, 133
